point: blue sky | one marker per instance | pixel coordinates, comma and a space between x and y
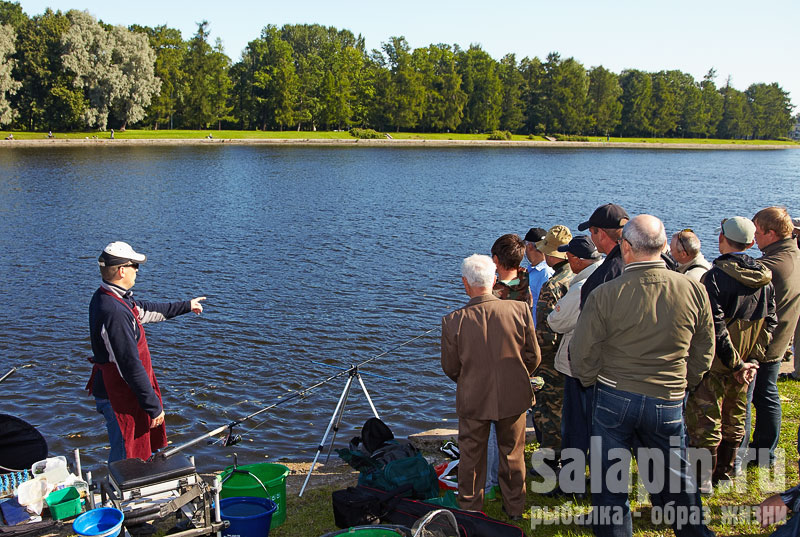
748, 41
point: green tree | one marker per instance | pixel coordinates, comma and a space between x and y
444, 98
8, 86
512, 117
47, 98
712, 103
564, 91
12, 15
637, 102
736, 119
603, 106
481, 84
206, 95
771, 111
170, 50
533, 74
666, 103
405, 92
114, 67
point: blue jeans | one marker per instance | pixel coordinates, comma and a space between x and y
619, 420
576, 415
790, 529
763, 394
112, 426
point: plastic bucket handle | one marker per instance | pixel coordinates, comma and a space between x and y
246, 472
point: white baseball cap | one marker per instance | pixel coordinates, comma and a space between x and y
119, 253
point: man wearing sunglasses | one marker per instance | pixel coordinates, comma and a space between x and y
123, 382
685, 250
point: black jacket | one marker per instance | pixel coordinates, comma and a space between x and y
741, 294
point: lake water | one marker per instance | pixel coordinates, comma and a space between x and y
306, 255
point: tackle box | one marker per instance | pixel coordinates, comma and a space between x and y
135, 478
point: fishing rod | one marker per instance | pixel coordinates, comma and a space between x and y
232, 439
13, 369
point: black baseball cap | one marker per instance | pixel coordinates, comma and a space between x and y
581, 246
535, 234
608, 216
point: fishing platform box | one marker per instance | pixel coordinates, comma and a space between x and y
135, 478
150, 490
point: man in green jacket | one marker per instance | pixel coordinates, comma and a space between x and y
642, 339
779, 254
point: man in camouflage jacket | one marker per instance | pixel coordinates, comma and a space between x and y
547, 410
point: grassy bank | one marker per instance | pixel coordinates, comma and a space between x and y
312, 515
137, 134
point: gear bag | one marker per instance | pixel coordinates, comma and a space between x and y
390, 465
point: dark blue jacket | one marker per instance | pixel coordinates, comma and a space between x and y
115, 335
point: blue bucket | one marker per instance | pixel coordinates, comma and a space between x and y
102, 522
248, 516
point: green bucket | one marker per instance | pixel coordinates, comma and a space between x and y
263, 480
372, 531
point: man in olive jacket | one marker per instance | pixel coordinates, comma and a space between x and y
489, 349
781, 255
642, 339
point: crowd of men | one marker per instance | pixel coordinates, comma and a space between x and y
650, 347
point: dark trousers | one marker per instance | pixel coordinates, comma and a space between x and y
763, 394
576, 415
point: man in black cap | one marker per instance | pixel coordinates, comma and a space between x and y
123, 383
605, 226
538, 271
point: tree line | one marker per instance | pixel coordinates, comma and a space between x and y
68, 71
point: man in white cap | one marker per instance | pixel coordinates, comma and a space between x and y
123, 383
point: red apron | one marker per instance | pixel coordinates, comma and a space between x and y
140, 440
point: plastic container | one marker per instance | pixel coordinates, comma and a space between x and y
64, 503
248, 516
53, 470
102, 522
31, 494
263, 480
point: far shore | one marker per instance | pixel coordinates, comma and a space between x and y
341, 142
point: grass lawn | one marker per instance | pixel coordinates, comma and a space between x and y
166, 134
312, 515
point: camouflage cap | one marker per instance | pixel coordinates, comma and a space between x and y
557, 236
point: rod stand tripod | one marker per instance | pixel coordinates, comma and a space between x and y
336, 418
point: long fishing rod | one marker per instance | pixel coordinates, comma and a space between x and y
232, 438
13, 369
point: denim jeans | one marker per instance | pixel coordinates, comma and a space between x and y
576, 415
112, 426
790, 529
763, 394
619, 419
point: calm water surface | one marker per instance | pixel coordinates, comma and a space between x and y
306, 255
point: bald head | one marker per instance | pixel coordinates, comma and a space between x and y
644, 238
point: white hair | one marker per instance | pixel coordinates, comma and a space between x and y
478, 270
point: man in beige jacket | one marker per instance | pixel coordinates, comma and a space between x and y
489, 349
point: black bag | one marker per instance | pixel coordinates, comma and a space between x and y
356, 506
374, 434
406, 511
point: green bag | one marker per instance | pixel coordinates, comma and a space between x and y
413, 470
